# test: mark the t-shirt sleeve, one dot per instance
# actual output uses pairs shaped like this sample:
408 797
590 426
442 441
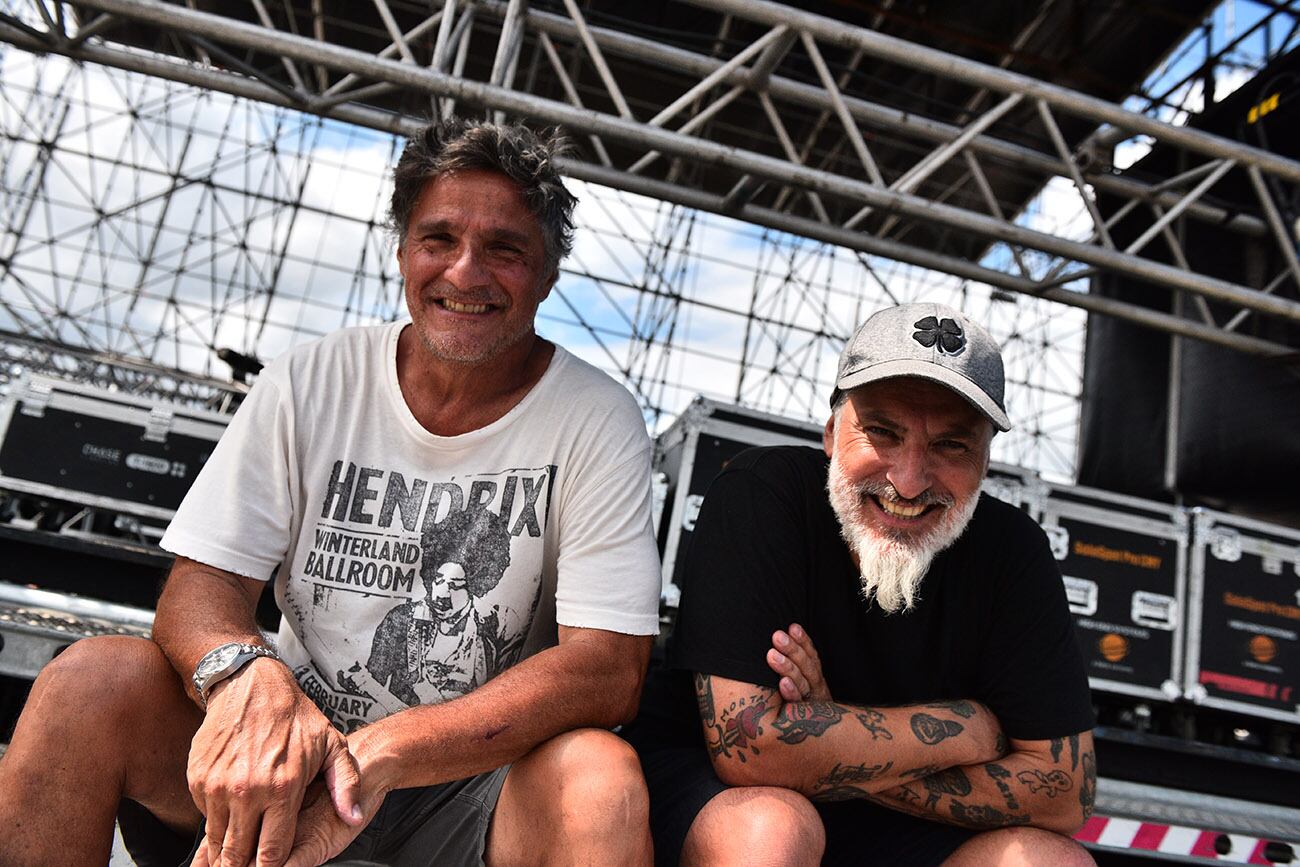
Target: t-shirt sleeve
238 513
745 576
1034 678
607 571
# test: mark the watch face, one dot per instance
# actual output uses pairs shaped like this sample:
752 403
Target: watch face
218 661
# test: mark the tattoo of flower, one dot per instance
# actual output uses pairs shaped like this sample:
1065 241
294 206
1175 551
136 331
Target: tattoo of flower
931 730
799 721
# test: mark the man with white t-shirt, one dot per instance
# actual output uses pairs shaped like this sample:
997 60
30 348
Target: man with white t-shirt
455 514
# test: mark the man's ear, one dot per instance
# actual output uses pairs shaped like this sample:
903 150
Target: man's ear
828 434
548 285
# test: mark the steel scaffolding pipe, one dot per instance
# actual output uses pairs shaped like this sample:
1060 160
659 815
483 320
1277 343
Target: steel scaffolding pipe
247 88
648 137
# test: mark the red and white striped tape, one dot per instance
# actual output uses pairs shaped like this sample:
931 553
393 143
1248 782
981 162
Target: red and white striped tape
1170 839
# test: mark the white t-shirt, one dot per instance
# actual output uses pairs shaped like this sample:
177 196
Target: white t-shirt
413 567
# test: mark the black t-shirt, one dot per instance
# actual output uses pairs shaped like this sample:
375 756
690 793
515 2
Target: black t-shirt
991 622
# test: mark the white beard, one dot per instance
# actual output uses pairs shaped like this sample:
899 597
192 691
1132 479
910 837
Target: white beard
892 564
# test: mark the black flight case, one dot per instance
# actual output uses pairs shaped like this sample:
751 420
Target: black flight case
101 448
1123 560
1244 617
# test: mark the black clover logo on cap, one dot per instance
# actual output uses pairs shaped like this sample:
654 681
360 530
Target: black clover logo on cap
947 333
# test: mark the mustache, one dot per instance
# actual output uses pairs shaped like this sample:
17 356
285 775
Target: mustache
886 491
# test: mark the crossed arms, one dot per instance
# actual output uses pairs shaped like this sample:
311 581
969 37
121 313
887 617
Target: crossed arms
947 761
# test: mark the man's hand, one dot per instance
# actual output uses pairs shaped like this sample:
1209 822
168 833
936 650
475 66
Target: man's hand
321 833
260 745
795 660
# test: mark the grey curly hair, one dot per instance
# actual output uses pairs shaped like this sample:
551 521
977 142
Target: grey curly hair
514 150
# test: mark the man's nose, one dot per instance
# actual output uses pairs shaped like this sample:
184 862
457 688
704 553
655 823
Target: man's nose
910 472
467 269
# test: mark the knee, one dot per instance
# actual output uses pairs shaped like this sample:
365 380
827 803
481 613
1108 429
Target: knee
105 673
1025 846
756 825
598 780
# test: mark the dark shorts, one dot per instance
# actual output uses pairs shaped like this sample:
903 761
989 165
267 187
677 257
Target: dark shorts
681 781
444 825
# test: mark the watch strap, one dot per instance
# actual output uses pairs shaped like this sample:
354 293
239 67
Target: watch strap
244 654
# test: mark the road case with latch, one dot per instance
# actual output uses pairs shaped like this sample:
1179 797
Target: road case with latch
101 448
1123 561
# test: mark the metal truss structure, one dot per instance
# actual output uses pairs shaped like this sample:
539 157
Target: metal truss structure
222 188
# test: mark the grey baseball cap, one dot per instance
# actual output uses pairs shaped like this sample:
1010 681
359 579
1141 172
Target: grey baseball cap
931 341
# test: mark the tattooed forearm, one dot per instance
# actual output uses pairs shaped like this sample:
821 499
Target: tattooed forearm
739 725
931 730
704 697
1049 784
1000 775
873 721
982 816
799 721
1088 785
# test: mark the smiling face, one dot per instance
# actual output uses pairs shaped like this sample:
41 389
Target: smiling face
473 262
907 458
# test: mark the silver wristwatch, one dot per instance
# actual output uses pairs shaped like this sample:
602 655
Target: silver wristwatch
221 662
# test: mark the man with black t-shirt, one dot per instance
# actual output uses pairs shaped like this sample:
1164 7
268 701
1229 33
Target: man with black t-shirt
943 712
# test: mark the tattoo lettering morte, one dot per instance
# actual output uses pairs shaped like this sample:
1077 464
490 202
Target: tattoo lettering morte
931 730
733 730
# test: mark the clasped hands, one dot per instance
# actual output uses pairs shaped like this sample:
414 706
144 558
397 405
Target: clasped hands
277 783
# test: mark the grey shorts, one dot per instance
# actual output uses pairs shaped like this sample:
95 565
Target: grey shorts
444 825
436 825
